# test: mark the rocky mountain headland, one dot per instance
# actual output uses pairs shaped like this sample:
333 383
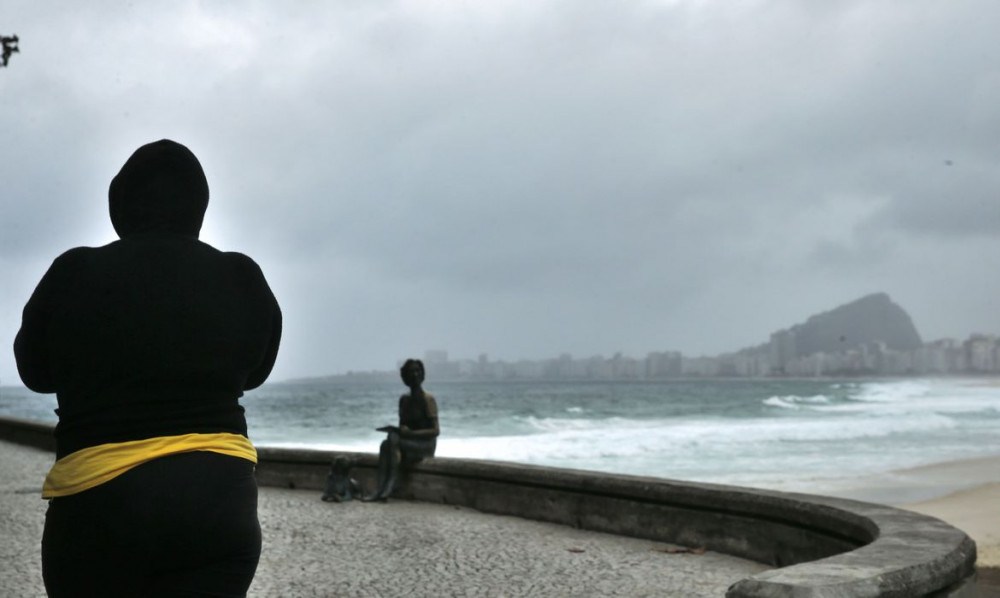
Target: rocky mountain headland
870 319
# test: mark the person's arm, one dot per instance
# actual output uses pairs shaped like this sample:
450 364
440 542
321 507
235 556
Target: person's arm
258 376
260 286
31 347
432 414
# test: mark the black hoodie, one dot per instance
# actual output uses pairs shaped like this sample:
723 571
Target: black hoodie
155 334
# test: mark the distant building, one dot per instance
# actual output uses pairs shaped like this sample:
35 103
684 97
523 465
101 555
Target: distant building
436 357
666 364
980 353
700 366
782 350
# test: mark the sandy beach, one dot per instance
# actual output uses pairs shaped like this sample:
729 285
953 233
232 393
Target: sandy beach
975 511
964 493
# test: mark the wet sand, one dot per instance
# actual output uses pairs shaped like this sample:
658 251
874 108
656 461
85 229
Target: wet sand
975 511
964 493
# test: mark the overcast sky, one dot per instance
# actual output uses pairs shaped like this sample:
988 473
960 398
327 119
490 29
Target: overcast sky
528 178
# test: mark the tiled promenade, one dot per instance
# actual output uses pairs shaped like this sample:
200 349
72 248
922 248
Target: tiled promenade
312 548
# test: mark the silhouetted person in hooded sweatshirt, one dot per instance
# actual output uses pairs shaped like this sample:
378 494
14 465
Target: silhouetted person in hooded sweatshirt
148 343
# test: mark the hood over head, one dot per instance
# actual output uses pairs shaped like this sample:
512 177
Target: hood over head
160 189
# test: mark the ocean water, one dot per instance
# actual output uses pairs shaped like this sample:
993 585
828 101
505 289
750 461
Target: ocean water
782 434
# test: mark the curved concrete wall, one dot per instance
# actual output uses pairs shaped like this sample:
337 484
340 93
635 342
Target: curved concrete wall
821 546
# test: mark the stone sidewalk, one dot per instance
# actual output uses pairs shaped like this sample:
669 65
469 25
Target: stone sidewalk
313 548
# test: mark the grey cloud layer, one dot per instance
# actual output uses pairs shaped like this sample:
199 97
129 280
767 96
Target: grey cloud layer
534 178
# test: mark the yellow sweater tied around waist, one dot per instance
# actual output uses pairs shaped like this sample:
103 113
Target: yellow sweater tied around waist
95 465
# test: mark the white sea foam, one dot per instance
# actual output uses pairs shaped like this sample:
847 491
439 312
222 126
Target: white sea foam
834 431
561 424
904 397
796 402
892 392
710 439
755 434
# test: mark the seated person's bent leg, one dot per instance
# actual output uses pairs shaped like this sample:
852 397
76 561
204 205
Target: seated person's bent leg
415 450
388 463
393 470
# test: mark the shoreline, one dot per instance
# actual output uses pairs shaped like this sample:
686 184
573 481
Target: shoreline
964 493
908 485
976 511
973 508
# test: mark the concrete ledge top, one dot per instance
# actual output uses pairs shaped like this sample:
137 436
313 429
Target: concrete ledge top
912 555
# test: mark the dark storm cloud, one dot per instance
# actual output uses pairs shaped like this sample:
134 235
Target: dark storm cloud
526 179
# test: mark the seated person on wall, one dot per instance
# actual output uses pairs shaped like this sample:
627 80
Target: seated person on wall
416 435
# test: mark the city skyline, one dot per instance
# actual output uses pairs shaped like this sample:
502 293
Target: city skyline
976 355
870 335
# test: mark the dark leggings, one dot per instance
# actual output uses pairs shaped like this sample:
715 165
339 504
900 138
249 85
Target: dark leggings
183 525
